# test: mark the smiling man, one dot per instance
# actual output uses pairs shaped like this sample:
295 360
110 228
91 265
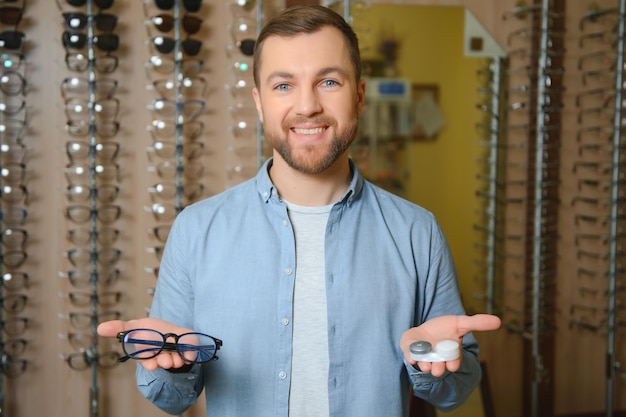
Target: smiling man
316 281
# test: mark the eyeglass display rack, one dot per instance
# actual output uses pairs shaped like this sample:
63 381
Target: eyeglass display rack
607 159
531 191
538 142
490 225
180 82
13 122
90 357
245 149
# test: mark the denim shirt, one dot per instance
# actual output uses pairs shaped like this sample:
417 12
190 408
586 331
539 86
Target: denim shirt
228 270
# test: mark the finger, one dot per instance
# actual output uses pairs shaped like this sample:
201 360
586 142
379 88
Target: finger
478 322
438 369
111 328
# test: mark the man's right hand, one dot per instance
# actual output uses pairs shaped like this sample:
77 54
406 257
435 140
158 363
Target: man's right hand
165 359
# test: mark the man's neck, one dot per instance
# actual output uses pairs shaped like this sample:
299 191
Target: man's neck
311 189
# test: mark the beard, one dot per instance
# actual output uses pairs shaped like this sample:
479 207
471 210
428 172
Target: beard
312 158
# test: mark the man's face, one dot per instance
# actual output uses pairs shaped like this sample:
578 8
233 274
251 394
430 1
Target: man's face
308 99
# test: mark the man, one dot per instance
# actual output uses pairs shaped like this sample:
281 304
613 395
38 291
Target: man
316 280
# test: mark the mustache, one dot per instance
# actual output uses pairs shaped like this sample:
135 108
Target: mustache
317 120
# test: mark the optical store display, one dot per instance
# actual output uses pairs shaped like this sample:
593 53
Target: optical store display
92 173
13 198
549 185
174 71
527 150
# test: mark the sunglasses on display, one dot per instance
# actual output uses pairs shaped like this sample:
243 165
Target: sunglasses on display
11 39
75 21
10 15
166 45
101 4
189 5
166 22
106 42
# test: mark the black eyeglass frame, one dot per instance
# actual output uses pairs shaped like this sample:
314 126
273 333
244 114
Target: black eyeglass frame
160 346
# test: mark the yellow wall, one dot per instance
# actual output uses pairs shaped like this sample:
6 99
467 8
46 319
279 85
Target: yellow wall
442 171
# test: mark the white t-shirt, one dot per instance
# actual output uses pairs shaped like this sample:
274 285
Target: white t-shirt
308 395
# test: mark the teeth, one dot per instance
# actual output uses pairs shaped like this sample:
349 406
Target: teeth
315 131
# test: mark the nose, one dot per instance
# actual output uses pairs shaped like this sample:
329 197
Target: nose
307 102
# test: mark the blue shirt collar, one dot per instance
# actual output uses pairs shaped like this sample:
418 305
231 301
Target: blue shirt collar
267 190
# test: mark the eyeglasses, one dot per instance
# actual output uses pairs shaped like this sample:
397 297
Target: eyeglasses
78 21
81 87
14 281
11 39
105 236
79 62
189 5
11 131
107 214
165 23
166 45
188 87
12 108
105 193
102 4
13 303
161 233
190 109
166 65
169 149
82 127
107 42
106 151
105 109
147 343
83 360
164 129
82 257
13 216
12 367
167 170
10 60
14 326
10 15
167 191
104 299
14 193
12 83
14 347
79 278
79 173
13 237
163 211
13 172
82 321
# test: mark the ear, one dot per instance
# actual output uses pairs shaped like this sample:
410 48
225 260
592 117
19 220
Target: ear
257 102
360 93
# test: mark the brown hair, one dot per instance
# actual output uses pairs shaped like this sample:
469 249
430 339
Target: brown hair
307 19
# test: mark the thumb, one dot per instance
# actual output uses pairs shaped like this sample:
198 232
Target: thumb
478 322
111 328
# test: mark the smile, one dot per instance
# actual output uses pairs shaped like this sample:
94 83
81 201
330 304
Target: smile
314 131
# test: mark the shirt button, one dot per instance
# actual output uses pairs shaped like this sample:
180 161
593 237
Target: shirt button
266 194
284 321
282 374
285 223
288 271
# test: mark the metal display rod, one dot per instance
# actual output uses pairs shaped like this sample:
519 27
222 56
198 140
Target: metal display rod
616 174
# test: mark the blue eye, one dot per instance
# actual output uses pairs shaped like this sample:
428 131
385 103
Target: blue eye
330 83
282 87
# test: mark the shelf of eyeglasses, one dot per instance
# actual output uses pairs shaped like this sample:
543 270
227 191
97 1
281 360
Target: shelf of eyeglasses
82 320
83 360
